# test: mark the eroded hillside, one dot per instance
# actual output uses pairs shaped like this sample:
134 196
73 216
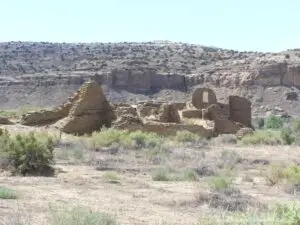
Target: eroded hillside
45 74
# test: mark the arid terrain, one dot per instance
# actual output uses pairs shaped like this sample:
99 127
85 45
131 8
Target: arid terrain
114 176
122 183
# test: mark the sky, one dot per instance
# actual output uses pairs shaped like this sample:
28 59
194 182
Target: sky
244 25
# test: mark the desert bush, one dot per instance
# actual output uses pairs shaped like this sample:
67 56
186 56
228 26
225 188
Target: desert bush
220 183
274 174
139 139
80 216
111 177
262 137
292 174
296 125
287 135
28 153
136 139
287 214
189 175
229 159
186 136
274 122
107 137
281 214
7 193
161 174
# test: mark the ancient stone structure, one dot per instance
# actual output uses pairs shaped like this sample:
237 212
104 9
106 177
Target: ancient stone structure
198 95
240 110
88 110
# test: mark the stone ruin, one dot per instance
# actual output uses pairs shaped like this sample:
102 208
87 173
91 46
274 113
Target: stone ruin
88 110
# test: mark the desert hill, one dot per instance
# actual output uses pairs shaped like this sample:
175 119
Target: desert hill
45 74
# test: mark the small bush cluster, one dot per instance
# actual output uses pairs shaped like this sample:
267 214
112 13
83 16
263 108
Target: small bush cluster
220 183
186 136
136 139
7 193
28 154
274 122
262 137
275 130
80 216
166 174
282 214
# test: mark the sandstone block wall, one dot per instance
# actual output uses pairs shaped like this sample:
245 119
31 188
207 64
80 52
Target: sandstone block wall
240 110
192 113
198 95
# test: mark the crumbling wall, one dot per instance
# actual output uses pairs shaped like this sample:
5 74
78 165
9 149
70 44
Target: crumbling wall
168 114
44 117
197 98
91 111
240 110
192 113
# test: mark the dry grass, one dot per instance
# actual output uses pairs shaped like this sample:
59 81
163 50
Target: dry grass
166 184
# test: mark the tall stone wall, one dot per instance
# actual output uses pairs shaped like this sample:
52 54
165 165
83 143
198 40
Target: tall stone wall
240 110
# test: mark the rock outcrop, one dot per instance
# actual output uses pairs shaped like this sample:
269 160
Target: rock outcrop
5 121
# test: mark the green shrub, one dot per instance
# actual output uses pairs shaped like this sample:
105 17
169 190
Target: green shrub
141 139
161 174
287 136
292 174
287 214
274 122
111 177
28 153
7 193
190 175
80 216
262 137
186 136
296 125
136 139
220 183
280 215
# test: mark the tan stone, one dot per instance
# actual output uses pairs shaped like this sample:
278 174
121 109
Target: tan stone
168 114
179 105
119 111
91 111
192 113
243 132
42 117
197 98
240 110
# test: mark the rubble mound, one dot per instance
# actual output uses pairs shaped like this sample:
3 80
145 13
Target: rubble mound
5 121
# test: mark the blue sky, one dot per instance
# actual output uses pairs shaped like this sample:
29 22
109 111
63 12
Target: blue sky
258 25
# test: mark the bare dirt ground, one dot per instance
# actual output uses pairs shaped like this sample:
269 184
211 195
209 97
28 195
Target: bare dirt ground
120 183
